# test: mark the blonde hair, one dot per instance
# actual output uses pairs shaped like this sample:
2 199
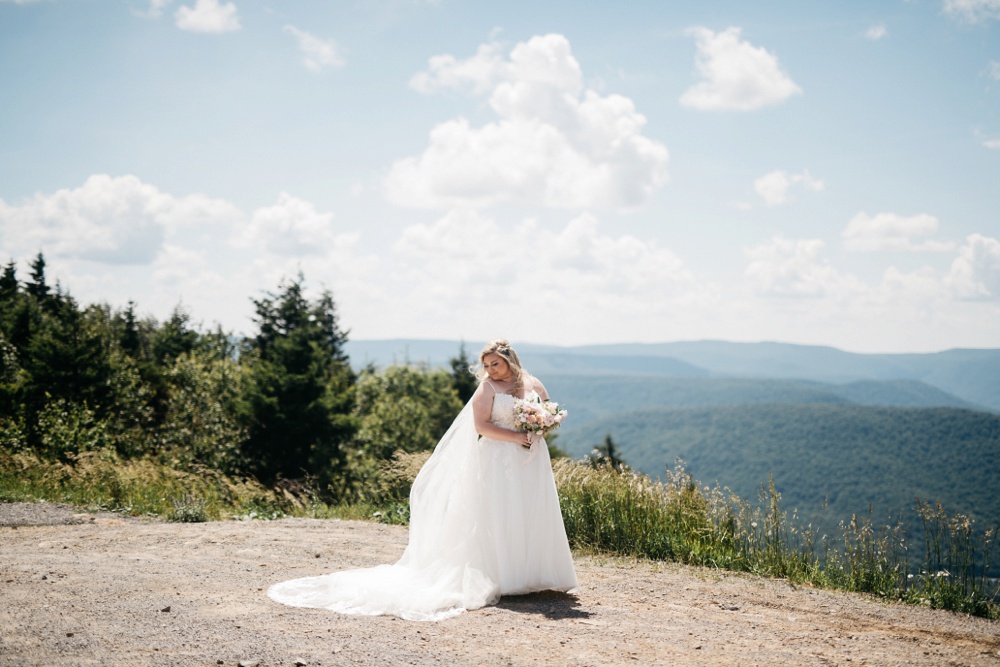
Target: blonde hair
501 347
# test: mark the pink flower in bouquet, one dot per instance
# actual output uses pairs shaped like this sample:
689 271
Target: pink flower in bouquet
538 416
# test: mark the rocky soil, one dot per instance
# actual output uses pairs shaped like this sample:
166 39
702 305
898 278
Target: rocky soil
79 589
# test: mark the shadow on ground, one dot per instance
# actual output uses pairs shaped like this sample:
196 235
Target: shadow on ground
550 604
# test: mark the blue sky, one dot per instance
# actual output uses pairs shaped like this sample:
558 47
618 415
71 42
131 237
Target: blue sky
567 173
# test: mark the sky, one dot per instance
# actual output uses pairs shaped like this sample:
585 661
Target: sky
563 172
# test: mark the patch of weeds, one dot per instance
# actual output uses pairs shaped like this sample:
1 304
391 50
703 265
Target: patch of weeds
188 509
261 510
261 514
396 514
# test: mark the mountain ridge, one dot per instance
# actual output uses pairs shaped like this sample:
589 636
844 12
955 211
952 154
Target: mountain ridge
972 375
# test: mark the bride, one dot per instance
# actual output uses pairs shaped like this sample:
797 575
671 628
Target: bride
484 517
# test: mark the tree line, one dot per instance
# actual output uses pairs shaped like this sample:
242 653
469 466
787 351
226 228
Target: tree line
281 404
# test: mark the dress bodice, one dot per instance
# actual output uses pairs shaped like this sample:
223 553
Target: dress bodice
503 409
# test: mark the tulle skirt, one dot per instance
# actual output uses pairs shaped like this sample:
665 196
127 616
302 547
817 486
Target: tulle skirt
521 509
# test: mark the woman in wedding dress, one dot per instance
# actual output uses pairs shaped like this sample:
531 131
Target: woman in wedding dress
484 517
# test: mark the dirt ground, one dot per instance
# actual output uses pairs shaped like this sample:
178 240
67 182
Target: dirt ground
103 590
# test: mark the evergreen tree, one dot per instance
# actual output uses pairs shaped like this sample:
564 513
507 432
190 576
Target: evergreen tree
607 454
299 399
129 340
37 286
8 284
67 357
14 323
175 337
464 381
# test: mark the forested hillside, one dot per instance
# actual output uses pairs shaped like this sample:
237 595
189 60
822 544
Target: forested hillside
846 456
972 375
599 396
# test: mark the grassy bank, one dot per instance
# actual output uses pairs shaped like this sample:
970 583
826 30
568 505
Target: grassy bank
677 520
605 510
101 480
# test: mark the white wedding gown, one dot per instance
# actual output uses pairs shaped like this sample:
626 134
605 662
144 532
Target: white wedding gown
484 522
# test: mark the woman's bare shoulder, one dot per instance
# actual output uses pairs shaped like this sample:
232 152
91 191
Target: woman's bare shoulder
484 392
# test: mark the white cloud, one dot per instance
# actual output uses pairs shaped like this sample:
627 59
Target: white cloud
554 144
111 220
773 187
208 16
737 76
156 8
481 72
973 11
876 32
317 52
471 275
992 143
293 227
794 268
176 265
469 267
994 70
975 273
922 286
890 231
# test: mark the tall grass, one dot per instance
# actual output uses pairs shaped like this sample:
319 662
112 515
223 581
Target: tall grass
623 512
102 480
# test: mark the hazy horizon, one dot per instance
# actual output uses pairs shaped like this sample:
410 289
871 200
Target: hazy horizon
471 349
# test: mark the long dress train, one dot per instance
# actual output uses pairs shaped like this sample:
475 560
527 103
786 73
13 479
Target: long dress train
484 522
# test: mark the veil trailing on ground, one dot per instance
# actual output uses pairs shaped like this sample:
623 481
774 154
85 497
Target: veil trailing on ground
448 566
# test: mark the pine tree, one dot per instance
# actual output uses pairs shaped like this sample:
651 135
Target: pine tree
8 284
37 287
462 378
175 337
607 454
299 401
129 339
66 358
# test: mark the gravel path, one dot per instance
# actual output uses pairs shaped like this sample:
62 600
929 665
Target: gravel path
103 590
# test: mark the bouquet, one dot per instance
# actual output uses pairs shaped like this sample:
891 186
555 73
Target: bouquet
537 416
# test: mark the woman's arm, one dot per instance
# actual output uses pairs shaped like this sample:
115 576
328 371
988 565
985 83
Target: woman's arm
539 388
482 408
